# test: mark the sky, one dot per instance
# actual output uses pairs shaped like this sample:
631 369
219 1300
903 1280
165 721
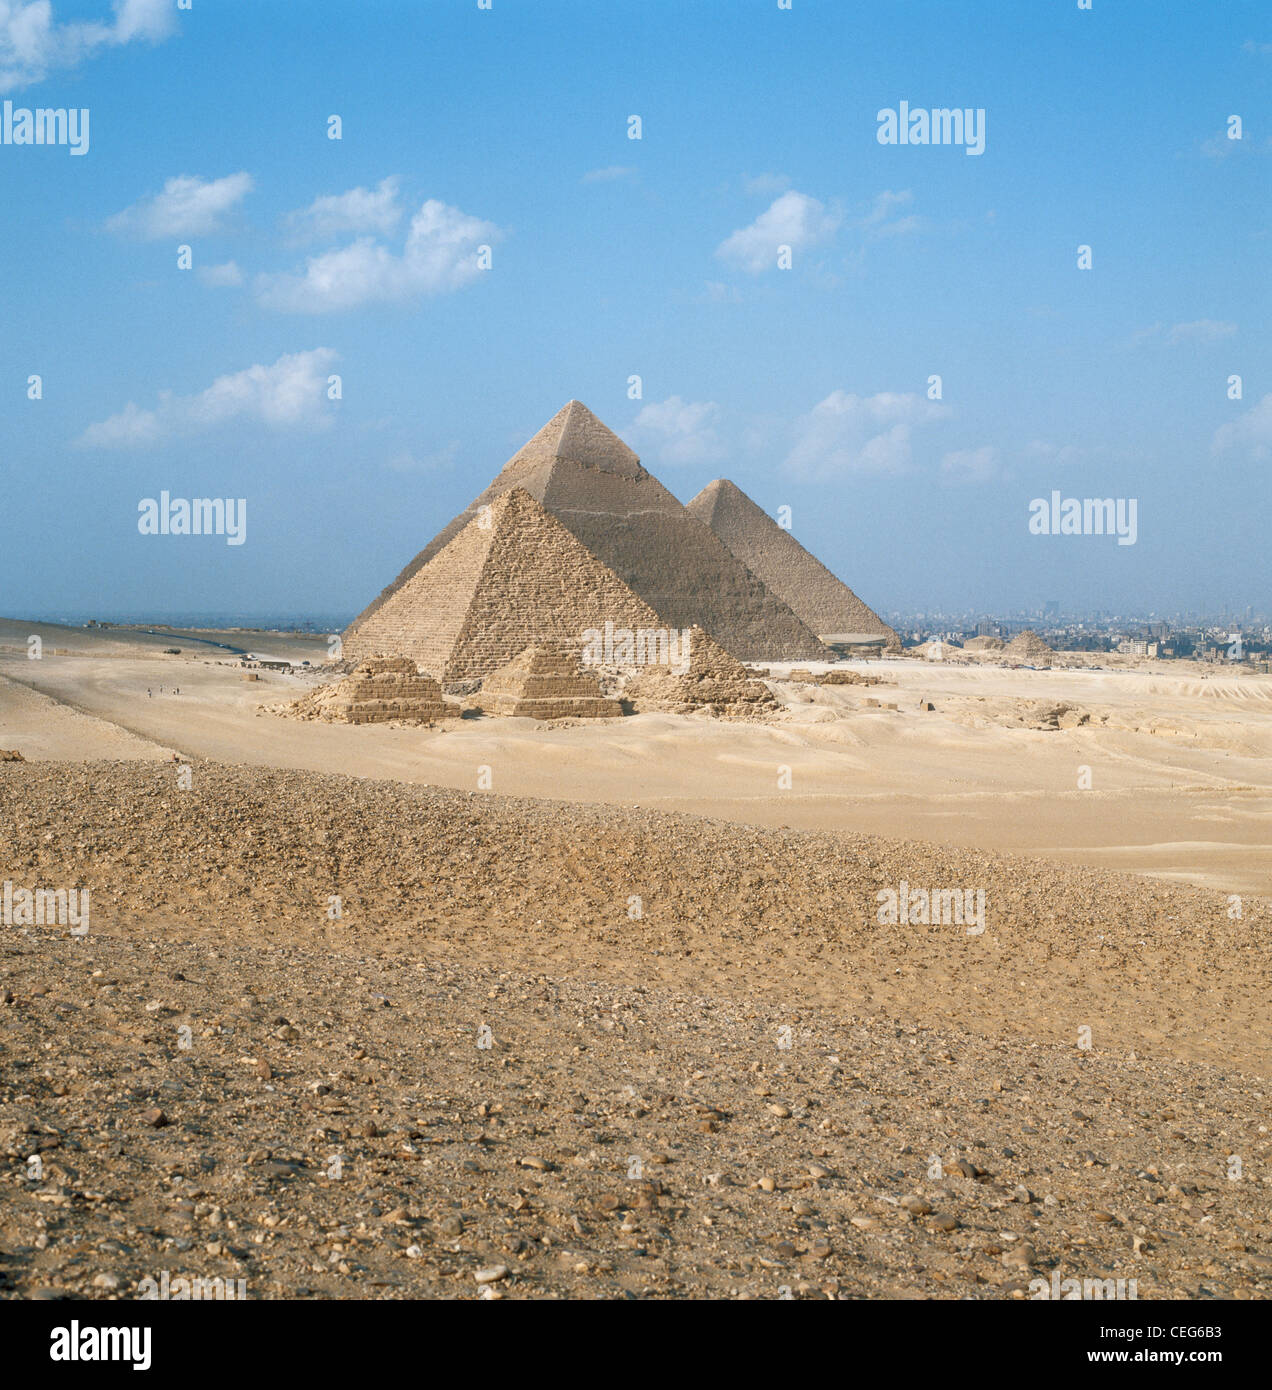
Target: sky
486 241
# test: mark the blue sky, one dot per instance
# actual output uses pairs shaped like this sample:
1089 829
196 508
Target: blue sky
612 257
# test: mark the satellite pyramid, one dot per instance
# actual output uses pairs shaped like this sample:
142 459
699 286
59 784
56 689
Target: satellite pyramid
546 683
826 604
714 680
379 690
1028 646
582 473
513 577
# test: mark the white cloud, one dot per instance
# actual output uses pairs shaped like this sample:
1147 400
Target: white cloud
1252 431
226 275
765 185
793 220
188 206
846 433
609 174
970 465
33 43
1200 331
883 217
291 393
440 255
359 210
679 431
1197 331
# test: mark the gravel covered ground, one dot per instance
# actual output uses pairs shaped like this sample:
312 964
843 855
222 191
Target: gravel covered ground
574 1051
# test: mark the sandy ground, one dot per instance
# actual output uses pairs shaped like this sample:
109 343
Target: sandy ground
487 1074
1177 758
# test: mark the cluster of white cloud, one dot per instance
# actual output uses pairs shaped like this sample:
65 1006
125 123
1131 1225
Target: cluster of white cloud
1252 431
187 206
289 393
33 43
677 431
851 434
793 219
372 210
440 254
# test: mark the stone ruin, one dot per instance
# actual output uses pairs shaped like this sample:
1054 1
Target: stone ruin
544 682
714 681
1028 646
380 689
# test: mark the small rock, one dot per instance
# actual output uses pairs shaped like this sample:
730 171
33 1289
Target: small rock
492 1274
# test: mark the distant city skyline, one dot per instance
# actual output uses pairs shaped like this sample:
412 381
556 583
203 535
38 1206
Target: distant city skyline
897 341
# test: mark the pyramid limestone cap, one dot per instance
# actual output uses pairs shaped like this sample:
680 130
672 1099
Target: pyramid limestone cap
575 434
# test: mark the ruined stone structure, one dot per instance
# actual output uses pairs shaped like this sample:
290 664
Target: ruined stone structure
714 681
1028 647
379 690
987 643
545 683
587 478
514 577
826 604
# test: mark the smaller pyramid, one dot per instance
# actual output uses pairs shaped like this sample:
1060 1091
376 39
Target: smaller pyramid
1028 646
987 643
825 603
714 680
379 690
545 683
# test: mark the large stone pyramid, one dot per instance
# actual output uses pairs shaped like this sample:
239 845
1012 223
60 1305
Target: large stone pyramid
513 577
546 683
826 604
595 485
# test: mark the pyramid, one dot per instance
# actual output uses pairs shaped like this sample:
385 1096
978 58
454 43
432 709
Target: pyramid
1028 646
714 679
378 690
826 604
987 643
545 683
595 485
513 577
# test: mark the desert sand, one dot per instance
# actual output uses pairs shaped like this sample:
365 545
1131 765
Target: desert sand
627 1022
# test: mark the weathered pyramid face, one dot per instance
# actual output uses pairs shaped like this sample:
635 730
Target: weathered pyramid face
513 578
826 604
595 486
